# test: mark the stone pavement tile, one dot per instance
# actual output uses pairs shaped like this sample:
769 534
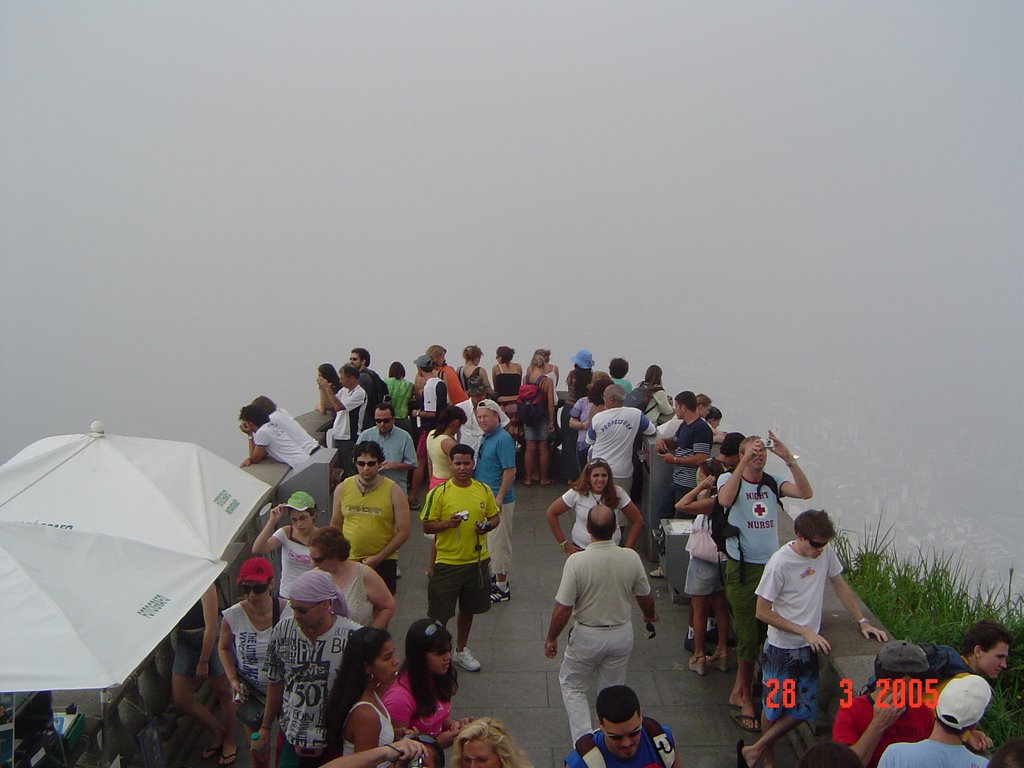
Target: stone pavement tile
725 756
479 693
689 689
522 655
535 727
499 624
541 757
706 725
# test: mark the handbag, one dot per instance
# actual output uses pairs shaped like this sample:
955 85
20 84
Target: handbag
700 544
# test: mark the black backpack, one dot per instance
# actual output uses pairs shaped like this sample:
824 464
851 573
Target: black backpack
376 393
722 530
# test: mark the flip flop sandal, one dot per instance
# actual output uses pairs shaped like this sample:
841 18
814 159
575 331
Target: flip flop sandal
746 722
228 759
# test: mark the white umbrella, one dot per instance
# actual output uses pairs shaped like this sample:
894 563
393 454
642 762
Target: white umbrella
105 542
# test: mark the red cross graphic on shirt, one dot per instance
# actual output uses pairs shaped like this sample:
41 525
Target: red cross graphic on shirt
760 509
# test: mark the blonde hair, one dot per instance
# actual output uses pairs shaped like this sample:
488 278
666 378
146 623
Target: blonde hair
494 734
748 441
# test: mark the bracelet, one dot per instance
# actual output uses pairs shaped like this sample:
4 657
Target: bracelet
562 543
397 750
204 658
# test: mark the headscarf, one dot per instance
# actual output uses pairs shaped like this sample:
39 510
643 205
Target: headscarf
316 587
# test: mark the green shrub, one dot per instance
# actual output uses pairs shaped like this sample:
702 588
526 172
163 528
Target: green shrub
929 598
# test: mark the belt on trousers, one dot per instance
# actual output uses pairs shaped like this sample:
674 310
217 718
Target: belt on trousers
602 626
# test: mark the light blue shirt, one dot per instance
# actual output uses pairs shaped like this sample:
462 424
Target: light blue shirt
497 453
930 754
397 447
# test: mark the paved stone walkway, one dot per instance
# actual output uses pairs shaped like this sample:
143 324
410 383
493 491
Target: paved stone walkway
519 685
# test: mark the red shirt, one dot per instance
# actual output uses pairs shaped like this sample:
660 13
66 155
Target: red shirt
914 725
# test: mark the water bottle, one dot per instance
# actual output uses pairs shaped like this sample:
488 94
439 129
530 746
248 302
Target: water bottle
256 759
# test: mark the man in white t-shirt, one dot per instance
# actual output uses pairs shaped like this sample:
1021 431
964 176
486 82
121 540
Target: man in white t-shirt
790 596
267 440
613 432
348 405
279 417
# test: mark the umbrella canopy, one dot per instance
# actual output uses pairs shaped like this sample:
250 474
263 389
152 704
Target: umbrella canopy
105 542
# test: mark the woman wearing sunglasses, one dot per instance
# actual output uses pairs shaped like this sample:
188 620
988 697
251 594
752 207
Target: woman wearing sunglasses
594 486
368 598
246 627
421 698
356 718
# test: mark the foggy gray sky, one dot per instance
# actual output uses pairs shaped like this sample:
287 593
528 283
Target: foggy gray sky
811 211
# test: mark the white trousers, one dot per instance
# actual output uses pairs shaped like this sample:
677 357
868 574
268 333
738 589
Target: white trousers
499 541
592 654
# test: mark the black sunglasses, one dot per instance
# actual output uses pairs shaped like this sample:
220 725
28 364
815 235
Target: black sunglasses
256 589
620 736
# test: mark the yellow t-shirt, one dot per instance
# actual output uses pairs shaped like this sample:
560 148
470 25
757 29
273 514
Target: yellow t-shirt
369 519
458 546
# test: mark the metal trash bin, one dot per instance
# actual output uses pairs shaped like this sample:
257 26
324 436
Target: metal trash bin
657 482
675 560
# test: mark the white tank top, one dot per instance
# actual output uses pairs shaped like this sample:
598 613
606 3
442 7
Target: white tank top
387 730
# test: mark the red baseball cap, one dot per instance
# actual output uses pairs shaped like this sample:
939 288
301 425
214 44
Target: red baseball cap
256 570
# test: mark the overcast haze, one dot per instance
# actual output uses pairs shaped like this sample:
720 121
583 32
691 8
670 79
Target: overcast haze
810 211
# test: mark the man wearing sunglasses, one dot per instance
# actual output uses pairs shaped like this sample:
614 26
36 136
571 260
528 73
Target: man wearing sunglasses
399 450
626 739
789 600
372 512
302 662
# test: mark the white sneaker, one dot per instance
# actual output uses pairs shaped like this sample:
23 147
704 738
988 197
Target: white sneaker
466 660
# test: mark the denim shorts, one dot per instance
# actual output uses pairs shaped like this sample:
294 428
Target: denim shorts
187 650
536 430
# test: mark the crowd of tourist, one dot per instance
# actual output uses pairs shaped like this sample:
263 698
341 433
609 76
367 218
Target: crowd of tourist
319 659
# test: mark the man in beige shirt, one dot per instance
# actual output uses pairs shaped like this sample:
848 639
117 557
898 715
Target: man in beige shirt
597 590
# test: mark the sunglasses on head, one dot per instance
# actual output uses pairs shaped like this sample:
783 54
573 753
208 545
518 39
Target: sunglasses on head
256 589
431 629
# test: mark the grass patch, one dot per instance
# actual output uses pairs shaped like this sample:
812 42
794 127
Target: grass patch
929 598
